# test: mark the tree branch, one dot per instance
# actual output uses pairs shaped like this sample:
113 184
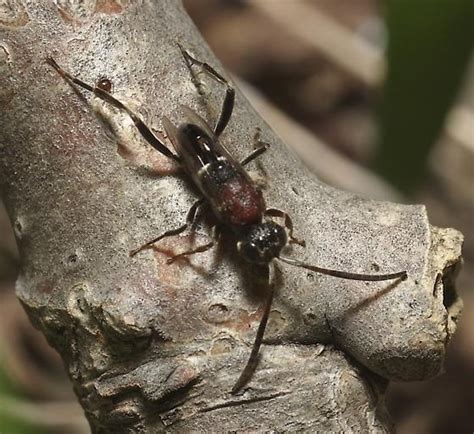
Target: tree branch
150 346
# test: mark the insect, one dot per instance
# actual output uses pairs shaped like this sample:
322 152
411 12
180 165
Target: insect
226 188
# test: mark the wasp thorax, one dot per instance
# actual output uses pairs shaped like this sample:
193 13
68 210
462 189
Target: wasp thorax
262 242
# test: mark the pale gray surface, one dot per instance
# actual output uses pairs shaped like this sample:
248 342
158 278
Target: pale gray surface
152 346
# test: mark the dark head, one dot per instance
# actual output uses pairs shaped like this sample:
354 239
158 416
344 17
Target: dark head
262 242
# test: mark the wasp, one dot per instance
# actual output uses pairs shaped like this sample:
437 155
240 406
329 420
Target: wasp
226 187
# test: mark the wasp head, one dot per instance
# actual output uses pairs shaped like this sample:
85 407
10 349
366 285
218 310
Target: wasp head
262 242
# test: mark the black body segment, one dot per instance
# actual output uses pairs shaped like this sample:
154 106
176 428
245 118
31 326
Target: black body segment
234 197
198 145
263 243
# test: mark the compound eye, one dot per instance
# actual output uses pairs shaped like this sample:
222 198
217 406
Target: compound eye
275 235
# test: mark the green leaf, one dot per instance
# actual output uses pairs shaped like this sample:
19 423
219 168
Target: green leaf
12 424
430 44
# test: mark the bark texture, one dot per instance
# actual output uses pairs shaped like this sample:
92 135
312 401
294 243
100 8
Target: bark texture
151 347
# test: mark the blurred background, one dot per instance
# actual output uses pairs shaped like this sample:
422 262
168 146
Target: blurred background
377 97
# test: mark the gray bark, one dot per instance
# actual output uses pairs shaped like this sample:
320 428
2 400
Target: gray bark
151 347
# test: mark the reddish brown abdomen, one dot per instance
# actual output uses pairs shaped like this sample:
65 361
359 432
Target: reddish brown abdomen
240 202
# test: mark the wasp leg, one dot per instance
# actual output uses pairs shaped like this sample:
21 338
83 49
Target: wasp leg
273 212
200 249
190 220
228 104
253 358
107 97
256 153
259 148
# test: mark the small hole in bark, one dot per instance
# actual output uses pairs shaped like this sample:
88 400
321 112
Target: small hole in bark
72 259
18 227
310 277
81 305
218 313
375 267
222 346
449 289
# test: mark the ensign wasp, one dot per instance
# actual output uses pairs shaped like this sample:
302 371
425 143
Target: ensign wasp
227 188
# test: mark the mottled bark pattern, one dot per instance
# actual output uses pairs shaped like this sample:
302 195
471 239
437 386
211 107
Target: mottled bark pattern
151 347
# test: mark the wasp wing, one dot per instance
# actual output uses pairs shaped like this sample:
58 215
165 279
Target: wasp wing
171 133
196 119
220 178
196 144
